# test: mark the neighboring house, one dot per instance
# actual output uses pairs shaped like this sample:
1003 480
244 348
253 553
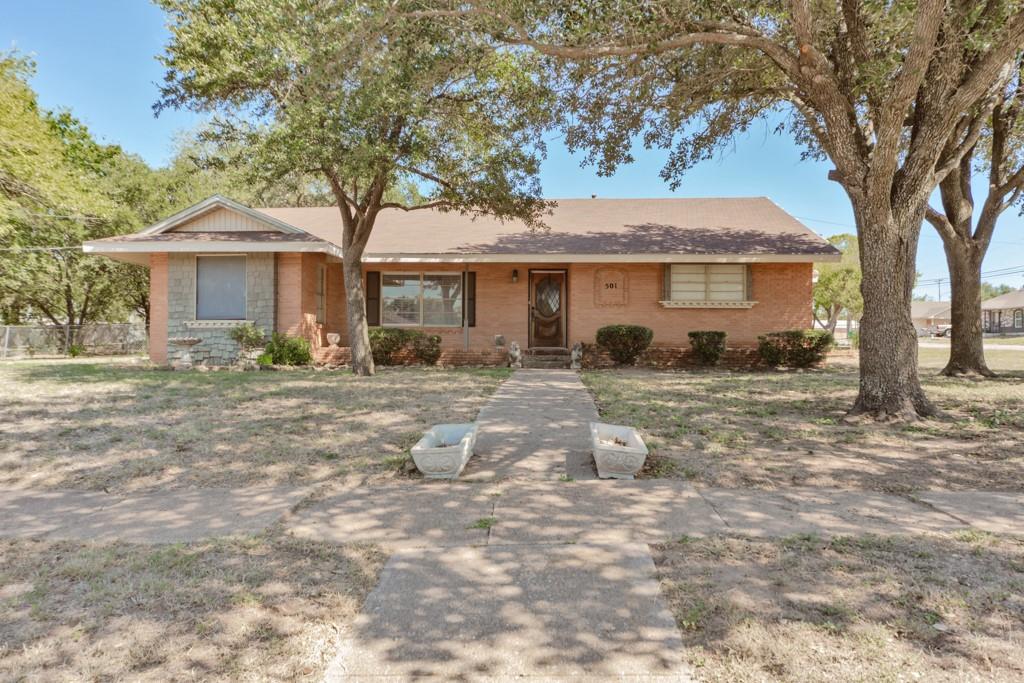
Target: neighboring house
1004 314
931 315
675 265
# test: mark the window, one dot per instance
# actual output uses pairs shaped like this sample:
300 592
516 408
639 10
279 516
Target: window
706 282
321 294
1018 318
220 287
421 299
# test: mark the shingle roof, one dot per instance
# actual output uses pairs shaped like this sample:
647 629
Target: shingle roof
1003 301
929 309
212 236
747 225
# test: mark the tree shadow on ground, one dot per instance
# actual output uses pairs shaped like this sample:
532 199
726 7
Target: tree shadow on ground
864 608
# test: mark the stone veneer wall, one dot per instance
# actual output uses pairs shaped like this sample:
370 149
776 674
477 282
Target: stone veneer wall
216 348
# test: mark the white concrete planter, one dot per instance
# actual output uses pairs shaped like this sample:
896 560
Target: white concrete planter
444 450
618 451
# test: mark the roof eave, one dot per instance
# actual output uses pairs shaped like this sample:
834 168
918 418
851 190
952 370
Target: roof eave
377 257
120 250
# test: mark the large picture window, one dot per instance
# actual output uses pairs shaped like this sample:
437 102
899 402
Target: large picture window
713 282
421 299
220 287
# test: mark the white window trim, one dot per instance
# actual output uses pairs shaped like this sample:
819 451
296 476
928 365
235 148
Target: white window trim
214 322
421 275
706 302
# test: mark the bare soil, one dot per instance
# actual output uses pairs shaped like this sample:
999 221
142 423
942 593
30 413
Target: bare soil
775 429
263 608
930 608
120 427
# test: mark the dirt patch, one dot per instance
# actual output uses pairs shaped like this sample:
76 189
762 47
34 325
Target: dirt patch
264 608
771 430
866 609
104 426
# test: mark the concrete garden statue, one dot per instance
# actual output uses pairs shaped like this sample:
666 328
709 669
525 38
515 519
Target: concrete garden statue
576 356
619 451
515 355
444 450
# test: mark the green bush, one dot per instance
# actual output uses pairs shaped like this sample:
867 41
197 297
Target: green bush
427 348
264 359
708 345
76 350
624 343
795 348
247 336
285 350
385 342
854 337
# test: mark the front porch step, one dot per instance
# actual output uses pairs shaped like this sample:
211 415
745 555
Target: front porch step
555 358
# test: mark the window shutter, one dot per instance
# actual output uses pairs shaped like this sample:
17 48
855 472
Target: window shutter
470 299
373 298
666 283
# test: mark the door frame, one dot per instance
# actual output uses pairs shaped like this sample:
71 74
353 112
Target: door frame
565 305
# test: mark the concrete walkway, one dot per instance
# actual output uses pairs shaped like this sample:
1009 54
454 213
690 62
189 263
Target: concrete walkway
162 517
535 427
544 612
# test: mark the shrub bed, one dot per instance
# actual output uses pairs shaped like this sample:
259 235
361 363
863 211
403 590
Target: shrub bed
625 343
708 345
387 342
285 350
794 348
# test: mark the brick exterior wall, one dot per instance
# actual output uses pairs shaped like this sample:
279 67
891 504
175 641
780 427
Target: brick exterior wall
782 290
158 308
216 348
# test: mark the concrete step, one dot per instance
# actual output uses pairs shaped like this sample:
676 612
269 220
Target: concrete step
546 362
547 351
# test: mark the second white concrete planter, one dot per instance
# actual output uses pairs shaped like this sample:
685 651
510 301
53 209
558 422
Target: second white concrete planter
619 451
444 450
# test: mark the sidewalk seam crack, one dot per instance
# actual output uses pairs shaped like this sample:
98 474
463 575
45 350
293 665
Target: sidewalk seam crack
713 508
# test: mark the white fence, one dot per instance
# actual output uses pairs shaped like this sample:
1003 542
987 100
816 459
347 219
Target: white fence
31 341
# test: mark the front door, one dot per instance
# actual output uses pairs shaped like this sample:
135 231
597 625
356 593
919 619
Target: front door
547 308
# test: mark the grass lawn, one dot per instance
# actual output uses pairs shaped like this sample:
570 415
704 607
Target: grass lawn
262 608
778 429
929 608
117 426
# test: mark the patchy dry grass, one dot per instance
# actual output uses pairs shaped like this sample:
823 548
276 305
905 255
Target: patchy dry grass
114 426
850 609
777 429
263 608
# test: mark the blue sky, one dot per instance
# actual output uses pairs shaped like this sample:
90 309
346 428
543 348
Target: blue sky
97 59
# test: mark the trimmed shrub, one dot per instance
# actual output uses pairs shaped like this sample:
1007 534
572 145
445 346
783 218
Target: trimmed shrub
427 348
264 359
795 348
285 350
708 345
385 342
624 343
247 336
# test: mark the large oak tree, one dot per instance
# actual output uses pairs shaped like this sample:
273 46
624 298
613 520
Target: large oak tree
369 100
877 87
999 154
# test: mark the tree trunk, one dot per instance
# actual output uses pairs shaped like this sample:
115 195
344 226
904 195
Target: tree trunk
889 384
358 330
966 352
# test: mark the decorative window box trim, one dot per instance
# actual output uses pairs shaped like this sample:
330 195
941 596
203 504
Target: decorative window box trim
217 323
707 304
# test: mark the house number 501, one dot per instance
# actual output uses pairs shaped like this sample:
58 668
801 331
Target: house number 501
611 285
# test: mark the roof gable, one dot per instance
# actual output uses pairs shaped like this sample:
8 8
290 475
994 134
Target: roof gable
220 214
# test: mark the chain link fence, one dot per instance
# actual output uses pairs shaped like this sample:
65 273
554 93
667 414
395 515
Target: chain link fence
42 341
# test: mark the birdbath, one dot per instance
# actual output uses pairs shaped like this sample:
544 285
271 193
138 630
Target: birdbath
184 361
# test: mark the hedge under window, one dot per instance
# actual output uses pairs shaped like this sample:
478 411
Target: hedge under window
220 287
707 282
421 299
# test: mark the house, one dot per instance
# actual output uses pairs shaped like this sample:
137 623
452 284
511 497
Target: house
932 316
1004 314
741 265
